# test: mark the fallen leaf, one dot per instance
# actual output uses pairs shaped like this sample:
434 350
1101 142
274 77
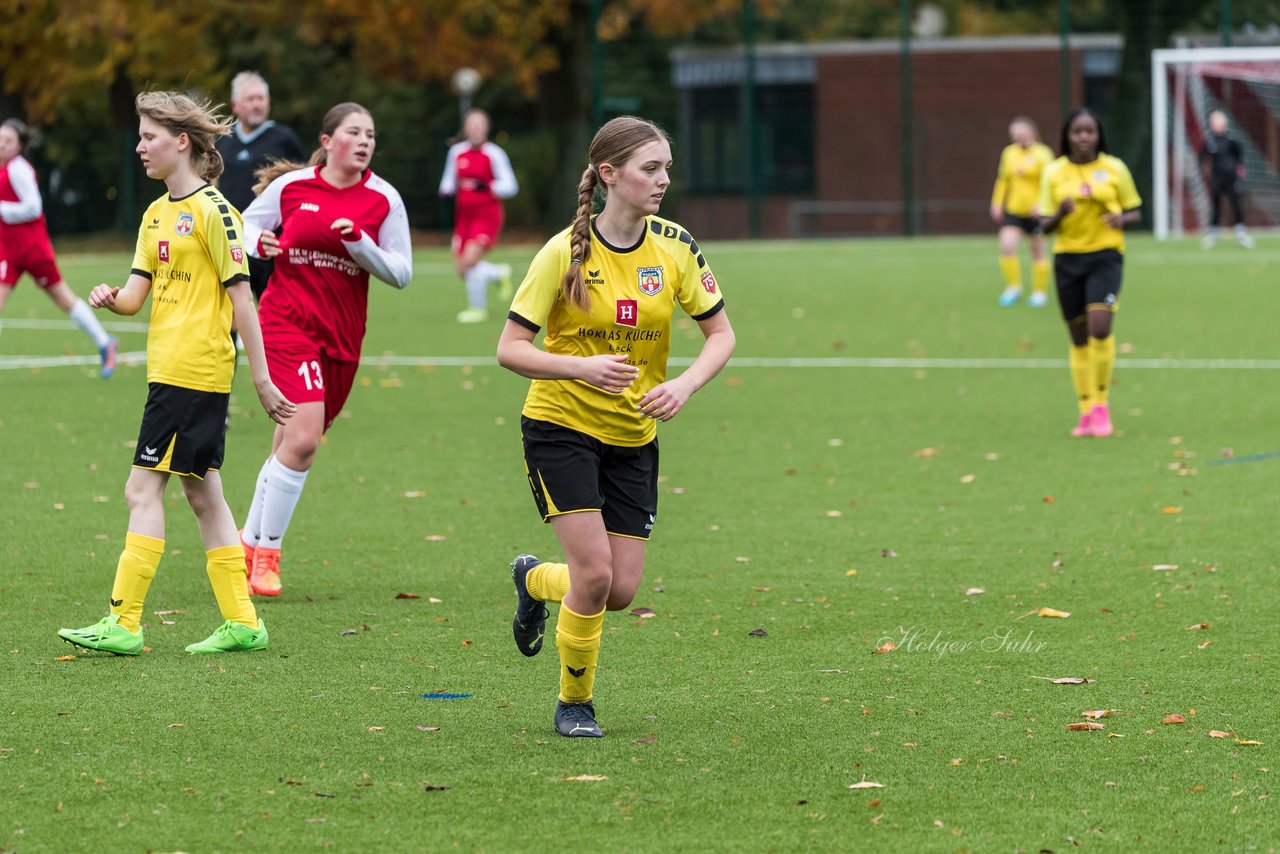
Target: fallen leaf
759 633
1174 719
1227 452
742 559
873 804
323 795
435 538
376 728
762 589
177 726
408 596
588 778
1247 741
1086 725
957 761
466 642
650 740
887 646
431 788
848 573
1165 567
835 443
65 658
1192 628
643 613
834 513
888 553
968 478
433 600
1096 713
975 591
416 493
1171 511
1217 733
428 728
991 457
1049 499
926 452
1115 735
170 613
347 632
866 784
1065 680
1053 612
1203 645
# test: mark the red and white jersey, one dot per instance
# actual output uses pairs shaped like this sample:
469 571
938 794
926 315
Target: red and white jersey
321 279
478 176
21 208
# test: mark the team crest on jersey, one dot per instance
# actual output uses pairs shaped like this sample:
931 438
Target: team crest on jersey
708 282
628 312
650 280
162 251
186 224
237 254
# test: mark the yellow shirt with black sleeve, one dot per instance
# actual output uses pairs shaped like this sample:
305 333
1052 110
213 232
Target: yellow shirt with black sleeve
1017 188
1100 187
634 292
191 250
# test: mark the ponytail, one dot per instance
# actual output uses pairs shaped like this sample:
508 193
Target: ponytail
573 288
332 120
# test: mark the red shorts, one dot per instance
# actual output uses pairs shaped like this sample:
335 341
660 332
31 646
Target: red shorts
476 225
34 258
305 374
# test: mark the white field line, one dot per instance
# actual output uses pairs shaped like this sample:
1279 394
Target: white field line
11 363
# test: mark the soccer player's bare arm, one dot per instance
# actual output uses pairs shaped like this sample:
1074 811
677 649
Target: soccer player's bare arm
518 353
664 401
245 317
127 300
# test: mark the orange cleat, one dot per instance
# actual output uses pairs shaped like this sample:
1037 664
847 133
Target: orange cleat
248 554
264 580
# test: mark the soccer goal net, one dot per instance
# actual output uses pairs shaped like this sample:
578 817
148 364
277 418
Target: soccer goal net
1188 84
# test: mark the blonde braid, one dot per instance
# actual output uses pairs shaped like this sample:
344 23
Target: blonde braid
572 287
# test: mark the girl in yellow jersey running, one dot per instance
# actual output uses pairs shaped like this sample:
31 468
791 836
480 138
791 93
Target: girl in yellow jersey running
1088 198
605 289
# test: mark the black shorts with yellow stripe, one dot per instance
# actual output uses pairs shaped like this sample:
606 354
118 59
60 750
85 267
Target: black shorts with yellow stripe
1027 224
183 430
572 472
1088 281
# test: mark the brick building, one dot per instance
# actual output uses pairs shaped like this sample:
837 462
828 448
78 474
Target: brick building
829 130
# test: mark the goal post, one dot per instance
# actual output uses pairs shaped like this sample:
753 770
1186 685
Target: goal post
1186 85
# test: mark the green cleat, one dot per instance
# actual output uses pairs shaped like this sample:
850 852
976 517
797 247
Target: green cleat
232 637
106 635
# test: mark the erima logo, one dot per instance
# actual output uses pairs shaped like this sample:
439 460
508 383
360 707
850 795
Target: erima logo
593 278
575 673
115 603
149 455
649 527
309 206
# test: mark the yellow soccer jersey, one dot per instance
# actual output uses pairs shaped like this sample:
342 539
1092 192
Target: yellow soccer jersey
1101 187
191 250
634 292
1017 187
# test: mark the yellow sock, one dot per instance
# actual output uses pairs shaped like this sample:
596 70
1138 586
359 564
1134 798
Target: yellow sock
1011 269
1102 355
1082 375
548 582
230 587
1040 276
134 571
578 639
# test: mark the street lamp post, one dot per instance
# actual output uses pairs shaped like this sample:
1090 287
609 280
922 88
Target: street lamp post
465 83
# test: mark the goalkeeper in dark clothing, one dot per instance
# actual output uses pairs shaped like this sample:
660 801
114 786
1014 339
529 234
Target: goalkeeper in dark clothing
1223 160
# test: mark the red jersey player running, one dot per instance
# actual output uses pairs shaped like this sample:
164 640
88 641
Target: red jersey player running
340 223
24 241
478 174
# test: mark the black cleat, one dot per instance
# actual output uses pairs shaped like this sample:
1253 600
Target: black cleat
530 622
577 720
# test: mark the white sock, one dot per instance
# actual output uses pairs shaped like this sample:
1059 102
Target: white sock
253 522
283 489
88 322
491 272
477 282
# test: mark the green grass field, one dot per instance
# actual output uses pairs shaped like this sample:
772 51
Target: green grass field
834 505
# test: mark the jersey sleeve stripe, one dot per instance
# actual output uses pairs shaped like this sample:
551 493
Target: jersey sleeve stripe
715 309
146 274
527 324
236 279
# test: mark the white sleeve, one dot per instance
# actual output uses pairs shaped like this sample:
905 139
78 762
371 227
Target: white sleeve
504 184
449 180
263 214
29 205
390 257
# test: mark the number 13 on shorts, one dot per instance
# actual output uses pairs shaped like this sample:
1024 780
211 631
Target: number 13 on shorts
310 373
